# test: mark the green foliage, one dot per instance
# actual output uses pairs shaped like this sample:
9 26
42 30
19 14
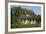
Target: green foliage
38 19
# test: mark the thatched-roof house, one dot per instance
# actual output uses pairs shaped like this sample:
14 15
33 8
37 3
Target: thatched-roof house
28 18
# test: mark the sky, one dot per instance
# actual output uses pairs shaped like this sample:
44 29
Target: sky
36 9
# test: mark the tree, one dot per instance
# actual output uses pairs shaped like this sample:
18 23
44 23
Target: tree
38 19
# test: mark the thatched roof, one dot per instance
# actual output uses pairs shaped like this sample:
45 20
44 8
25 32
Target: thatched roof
31 15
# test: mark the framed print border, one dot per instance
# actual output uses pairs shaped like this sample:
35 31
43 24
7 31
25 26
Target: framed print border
6 16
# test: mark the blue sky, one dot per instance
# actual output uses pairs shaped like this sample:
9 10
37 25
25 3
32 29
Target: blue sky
36 9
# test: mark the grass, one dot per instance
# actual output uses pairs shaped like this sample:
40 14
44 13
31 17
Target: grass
28 25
